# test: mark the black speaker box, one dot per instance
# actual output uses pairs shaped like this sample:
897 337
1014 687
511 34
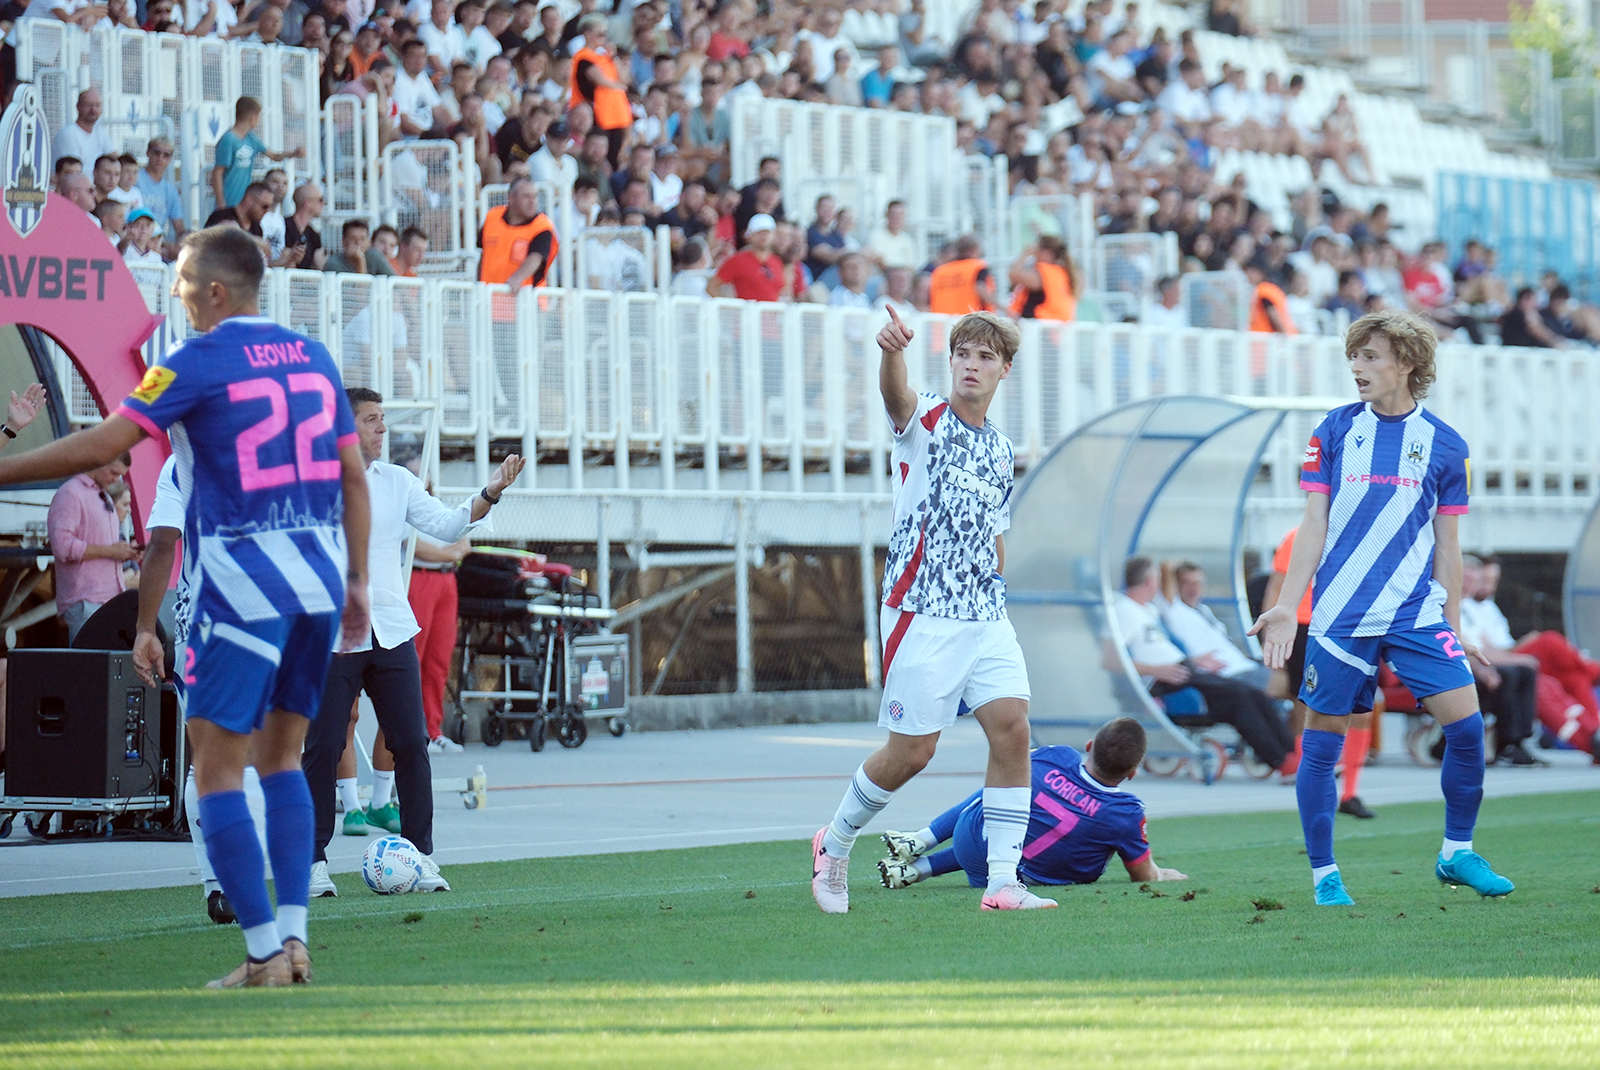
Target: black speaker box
80 724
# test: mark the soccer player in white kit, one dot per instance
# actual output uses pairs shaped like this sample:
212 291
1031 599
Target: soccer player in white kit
947 642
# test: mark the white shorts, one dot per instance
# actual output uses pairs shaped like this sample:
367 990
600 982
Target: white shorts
933 666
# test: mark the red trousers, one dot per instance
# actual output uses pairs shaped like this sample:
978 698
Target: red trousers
433 600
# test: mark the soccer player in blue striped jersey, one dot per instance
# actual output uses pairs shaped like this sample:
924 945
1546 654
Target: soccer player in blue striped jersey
277 516
1387 485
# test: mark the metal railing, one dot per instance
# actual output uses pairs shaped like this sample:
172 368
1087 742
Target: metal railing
888 155
648 391
193 82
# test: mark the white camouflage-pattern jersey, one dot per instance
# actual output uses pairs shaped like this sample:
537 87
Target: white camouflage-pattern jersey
952 497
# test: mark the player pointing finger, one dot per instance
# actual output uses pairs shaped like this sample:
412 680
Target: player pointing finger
895 336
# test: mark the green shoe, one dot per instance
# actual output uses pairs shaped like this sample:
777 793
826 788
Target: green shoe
355 824
386 818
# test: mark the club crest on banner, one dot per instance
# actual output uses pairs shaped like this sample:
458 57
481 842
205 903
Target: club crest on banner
24 160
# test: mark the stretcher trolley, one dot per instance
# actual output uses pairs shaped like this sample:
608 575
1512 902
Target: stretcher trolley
531 650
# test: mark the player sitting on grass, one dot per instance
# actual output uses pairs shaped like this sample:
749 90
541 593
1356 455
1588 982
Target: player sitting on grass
1081 816
946 636
1388 483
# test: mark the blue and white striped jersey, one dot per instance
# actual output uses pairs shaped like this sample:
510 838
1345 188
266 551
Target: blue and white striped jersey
1385 477
256 415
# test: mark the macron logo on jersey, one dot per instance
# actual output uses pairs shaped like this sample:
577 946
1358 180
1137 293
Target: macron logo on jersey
1313 458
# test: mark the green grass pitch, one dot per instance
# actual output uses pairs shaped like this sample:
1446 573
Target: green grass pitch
717 957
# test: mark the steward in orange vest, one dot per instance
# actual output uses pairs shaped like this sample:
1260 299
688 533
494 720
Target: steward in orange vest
595 82
518 241
964 284
1269 306
1045 289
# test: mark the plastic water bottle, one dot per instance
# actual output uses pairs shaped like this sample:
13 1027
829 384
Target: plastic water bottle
476 797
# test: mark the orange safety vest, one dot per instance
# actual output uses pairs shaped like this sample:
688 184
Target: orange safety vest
953 288
505 247
611 108
1272 295
1055 302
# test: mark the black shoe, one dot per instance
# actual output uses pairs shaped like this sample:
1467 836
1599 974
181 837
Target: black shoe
1356 808
220 910
1516 755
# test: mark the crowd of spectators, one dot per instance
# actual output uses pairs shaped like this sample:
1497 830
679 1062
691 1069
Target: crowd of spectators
631 108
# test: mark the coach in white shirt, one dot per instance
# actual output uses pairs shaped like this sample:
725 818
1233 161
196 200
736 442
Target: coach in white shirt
386 667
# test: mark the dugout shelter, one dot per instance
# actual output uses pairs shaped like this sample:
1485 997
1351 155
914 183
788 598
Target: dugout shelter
1167 478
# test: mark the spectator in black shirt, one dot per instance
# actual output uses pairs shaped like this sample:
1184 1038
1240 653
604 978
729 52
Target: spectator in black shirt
767 200
1522 325
521 135
1350 297
297 229
516 35
692 214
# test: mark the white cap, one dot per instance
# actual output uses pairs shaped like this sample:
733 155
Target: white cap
760 221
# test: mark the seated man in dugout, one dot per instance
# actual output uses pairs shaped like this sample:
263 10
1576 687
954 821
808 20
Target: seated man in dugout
1164 667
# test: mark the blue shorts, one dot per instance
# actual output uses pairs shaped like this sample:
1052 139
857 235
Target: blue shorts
235 673
1342 671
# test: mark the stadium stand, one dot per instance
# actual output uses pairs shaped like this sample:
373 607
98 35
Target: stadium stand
1005 122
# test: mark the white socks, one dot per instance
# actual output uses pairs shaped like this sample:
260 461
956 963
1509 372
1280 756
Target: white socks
926 839
292 922
1448 851
262 941
923 867
861 803
1318 872
382 787
348 795
1005 823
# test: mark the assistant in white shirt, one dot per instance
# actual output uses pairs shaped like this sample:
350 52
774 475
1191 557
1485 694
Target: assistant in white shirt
399 501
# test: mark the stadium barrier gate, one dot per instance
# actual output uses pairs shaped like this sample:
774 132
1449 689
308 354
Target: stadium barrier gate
744 397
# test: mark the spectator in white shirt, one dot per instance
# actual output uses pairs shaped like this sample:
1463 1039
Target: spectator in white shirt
83 138
474 42
443 44
827 43
1112 73
1167 312
897 290
891 245
141 240
852 289
1186 101
418 103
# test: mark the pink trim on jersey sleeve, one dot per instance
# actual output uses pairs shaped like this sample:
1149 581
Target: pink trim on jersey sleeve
143 421
1317 488
1142 858
1452 510
348 440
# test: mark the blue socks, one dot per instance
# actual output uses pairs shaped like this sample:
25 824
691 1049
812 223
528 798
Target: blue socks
1317 792
1461 776
235 855
290 821
944 826
941 863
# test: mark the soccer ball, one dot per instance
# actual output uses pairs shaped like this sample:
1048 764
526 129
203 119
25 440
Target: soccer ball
392 865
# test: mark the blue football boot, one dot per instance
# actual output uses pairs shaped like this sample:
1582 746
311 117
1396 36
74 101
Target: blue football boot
1331 893
1469 869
